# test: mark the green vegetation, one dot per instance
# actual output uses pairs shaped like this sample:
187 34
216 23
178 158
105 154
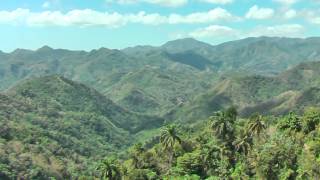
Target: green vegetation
228 147
185 67
54 127
186 110
292 90
56 93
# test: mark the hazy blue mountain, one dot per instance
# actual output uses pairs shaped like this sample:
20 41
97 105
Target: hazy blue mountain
187 44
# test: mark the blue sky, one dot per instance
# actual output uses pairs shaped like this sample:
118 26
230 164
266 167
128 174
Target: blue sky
91 24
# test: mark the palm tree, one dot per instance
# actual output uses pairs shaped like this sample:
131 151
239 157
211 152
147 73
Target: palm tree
222 125
169 137
232 113
109 169
243 144
291 122
213 156
136 152
256 125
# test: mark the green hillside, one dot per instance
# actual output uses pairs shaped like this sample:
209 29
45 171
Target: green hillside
188 64
58 93
54 127
38 144
294 89
164 89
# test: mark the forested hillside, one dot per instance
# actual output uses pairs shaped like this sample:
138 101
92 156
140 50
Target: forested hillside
186 67
247 109
54 127
227 147
292 90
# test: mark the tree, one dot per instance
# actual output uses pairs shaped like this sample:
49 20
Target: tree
256 125
240 172
310 119
232 113
136 153
216 159
109 169
5 130
169 137
191 163
222 126
291 122
276 158
243 144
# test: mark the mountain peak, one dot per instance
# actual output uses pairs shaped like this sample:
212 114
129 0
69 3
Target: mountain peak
101 50
20 51
45 48
184 40
104 49
185 44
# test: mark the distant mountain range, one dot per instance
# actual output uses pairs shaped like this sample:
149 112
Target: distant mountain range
159 78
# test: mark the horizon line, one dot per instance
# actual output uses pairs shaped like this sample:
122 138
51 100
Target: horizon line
154 46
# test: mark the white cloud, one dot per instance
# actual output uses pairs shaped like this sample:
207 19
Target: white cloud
213 15
218 1
51 4
122 1
259 13
46 4
286 30
213 31
168 3
14 17
81 18
287 2
224 32
311 16
289 14
88 17
314 19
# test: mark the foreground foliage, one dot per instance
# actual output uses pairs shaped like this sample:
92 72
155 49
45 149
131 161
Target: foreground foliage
227 147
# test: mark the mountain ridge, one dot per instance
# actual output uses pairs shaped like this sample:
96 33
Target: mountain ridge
293 89
194 66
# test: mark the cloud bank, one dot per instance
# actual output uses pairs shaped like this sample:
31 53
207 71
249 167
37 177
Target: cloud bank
88 17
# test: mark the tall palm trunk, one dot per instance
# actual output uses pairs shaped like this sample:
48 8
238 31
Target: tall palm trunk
170 157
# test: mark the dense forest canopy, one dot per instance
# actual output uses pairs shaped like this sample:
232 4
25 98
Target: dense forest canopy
227 147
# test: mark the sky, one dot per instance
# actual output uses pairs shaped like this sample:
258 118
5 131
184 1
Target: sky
91 24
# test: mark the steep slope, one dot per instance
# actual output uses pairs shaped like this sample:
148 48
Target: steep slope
43 143
160 89
188 61
265 55
262 55
294 89
62 94
38 144
296 101
57 126
103 69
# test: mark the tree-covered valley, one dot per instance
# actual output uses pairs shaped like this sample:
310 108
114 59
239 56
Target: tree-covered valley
246 109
